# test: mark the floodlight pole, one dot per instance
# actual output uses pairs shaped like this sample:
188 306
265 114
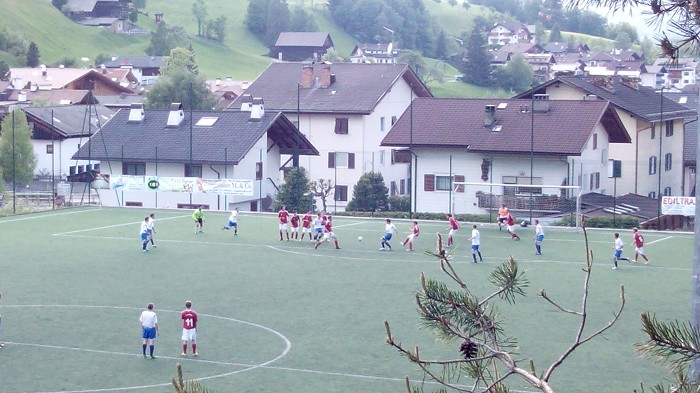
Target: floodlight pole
658 161
410 152
14 168
532 146
694 373
295 163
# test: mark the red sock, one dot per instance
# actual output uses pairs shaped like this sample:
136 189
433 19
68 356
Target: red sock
194 348
184 348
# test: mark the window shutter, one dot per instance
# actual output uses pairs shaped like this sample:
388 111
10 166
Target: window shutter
331 159
351 160
428 182
459 178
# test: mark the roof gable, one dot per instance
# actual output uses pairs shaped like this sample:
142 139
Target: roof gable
624 93
227 140
70 120
303 38
460 123
356 88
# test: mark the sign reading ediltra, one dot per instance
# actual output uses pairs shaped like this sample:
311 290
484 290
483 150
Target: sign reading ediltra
682 206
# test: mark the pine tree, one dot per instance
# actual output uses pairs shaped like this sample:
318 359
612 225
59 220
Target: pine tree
33 55
17 158
476 67
369 194
295 193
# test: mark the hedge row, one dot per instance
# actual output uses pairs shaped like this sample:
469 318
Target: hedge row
625 222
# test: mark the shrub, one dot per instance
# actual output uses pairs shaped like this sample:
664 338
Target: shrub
623 222
399 203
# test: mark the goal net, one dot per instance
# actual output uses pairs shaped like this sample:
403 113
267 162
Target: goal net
526 202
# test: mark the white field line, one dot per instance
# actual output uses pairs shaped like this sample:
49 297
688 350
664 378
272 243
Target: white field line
113 226
660 240
37 217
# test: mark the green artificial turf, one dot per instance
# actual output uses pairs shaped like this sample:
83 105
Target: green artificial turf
278 316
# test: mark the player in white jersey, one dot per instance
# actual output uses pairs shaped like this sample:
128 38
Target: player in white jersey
476 241
149 328
389 231
144 234
233 222
618 246
151 228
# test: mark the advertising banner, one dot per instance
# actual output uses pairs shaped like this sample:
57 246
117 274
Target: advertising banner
126 183
682 206
198 185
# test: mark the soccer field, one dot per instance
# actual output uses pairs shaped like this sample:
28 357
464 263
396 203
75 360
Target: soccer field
283 317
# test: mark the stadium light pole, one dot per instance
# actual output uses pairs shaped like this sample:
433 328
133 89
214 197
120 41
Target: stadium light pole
532 144
658 161
14 168
410 151
295 163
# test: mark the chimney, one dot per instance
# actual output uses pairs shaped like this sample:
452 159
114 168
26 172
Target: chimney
246 103
540 103
258 110
590 97
218 81
325 78
43 70
307 76
103 68
490 118
136 113
176 115
22 96
229 79
33 87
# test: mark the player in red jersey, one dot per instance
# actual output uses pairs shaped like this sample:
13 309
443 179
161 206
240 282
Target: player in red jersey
328 233
283 216
638 241
295 225
189 329
454 226
510 226
411 236
306 225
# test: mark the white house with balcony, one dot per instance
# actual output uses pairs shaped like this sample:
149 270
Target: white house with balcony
344 110
508 142
653 161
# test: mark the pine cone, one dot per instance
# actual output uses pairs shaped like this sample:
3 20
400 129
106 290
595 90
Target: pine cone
468 349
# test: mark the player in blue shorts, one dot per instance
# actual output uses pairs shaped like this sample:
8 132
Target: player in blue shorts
144 234
539 237
617 256
389 231
233 222
149 328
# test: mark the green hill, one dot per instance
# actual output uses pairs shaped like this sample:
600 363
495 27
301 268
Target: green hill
242 56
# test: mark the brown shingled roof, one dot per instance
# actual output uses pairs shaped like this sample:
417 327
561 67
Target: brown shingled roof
449 122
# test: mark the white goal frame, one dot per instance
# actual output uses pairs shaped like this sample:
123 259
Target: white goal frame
481 185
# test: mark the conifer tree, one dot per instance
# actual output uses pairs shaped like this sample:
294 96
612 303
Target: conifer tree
17 159
33 55
477 63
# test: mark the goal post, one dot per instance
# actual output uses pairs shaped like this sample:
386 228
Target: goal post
547 203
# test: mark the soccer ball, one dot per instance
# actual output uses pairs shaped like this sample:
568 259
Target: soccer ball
359 238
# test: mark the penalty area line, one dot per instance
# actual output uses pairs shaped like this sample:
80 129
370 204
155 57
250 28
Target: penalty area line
660 240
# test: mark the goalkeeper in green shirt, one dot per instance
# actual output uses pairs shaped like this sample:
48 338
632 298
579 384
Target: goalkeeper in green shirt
198 217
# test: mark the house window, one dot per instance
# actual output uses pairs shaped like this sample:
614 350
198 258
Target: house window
400 157
341 125
393 120
134 168
667 191
96 167
49 149
669 128
668 161
604 156
341 160
595 181
382 124
523 185
381 157
652 194
595 142
443 183
653 131
71 170
341 193
402 186
652 165
192 170
258 171
394 189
